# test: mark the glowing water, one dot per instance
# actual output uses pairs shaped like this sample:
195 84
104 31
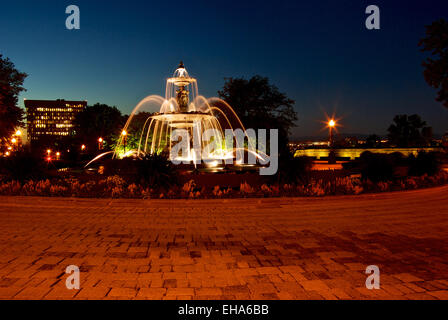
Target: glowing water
182 108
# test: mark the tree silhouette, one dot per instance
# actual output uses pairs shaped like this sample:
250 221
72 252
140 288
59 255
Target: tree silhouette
436 68
260 105
98 121
11 84
406 131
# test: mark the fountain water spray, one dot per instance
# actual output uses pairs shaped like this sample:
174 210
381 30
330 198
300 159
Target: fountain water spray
192 129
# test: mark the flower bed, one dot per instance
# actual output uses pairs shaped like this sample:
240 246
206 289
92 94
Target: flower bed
117 187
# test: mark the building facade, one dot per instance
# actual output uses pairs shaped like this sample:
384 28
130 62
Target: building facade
50 122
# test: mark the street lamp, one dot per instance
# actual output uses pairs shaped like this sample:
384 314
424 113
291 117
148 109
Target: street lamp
83 147
100 143
331 125
58 155
18 138
124 134
332 154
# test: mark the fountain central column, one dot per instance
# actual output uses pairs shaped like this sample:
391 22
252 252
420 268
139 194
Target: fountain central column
182 98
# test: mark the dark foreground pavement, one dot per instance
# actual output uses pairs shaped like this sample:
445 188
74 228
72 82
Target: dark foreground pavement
298 248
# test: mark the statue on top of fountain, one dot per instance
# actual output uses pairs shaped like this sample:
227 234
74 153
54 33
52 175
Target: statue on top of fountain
182 93
182 98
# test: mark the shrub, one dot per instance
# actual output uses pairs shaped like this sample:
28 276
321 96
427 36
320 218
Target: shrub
245 188
188 189
156 171
134 191
23 165
377 167
425 163
293 169
217 191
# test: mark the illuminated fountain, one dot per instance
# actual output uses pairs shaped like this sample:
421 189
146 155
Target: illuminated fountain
183 108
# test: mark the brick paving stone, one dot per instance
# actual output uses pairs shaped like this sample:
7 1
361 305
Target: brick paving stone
442 294
95 293
122 292
297 248
314 285
32 293
406 277
151 293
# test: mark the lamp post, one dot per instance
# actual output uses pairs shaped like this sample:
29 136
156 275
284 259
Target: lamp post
14 143
331 155
124 135
331 125
18 135
100 143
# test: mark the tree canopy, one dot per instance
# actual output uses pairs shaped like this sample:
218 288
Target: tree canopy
11 84
407 131
260 105
436 67
98 121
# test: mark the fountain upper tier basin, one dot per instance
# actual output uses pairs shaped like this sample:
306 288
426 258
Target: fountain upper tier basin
183 117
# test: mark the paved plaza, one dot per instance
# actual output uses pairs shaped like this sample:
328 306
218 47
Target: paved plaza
286 248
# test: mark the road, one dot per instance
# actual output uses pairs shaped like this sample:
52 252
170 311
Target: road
285 248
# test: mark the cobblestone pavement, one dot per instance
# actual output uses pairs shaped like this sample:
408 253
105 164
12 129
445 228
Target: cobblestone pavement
298 248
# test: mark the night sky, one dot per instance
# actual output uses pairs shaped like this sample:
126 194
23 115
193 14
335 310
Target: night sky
318 52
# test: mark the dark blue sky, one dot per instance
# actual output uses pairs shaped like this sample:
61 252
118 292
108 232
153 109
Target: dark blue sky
318 52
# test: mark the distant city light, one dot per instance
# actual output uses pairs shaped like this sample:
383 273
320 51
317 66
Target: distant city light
83 147
14 140
48 151
18 133
332 123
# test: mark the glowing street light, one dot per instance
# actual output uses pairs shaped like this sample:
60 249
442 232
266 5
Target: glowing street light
83 147
58 155
17 138
48 151
124 134
331 125
100 143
